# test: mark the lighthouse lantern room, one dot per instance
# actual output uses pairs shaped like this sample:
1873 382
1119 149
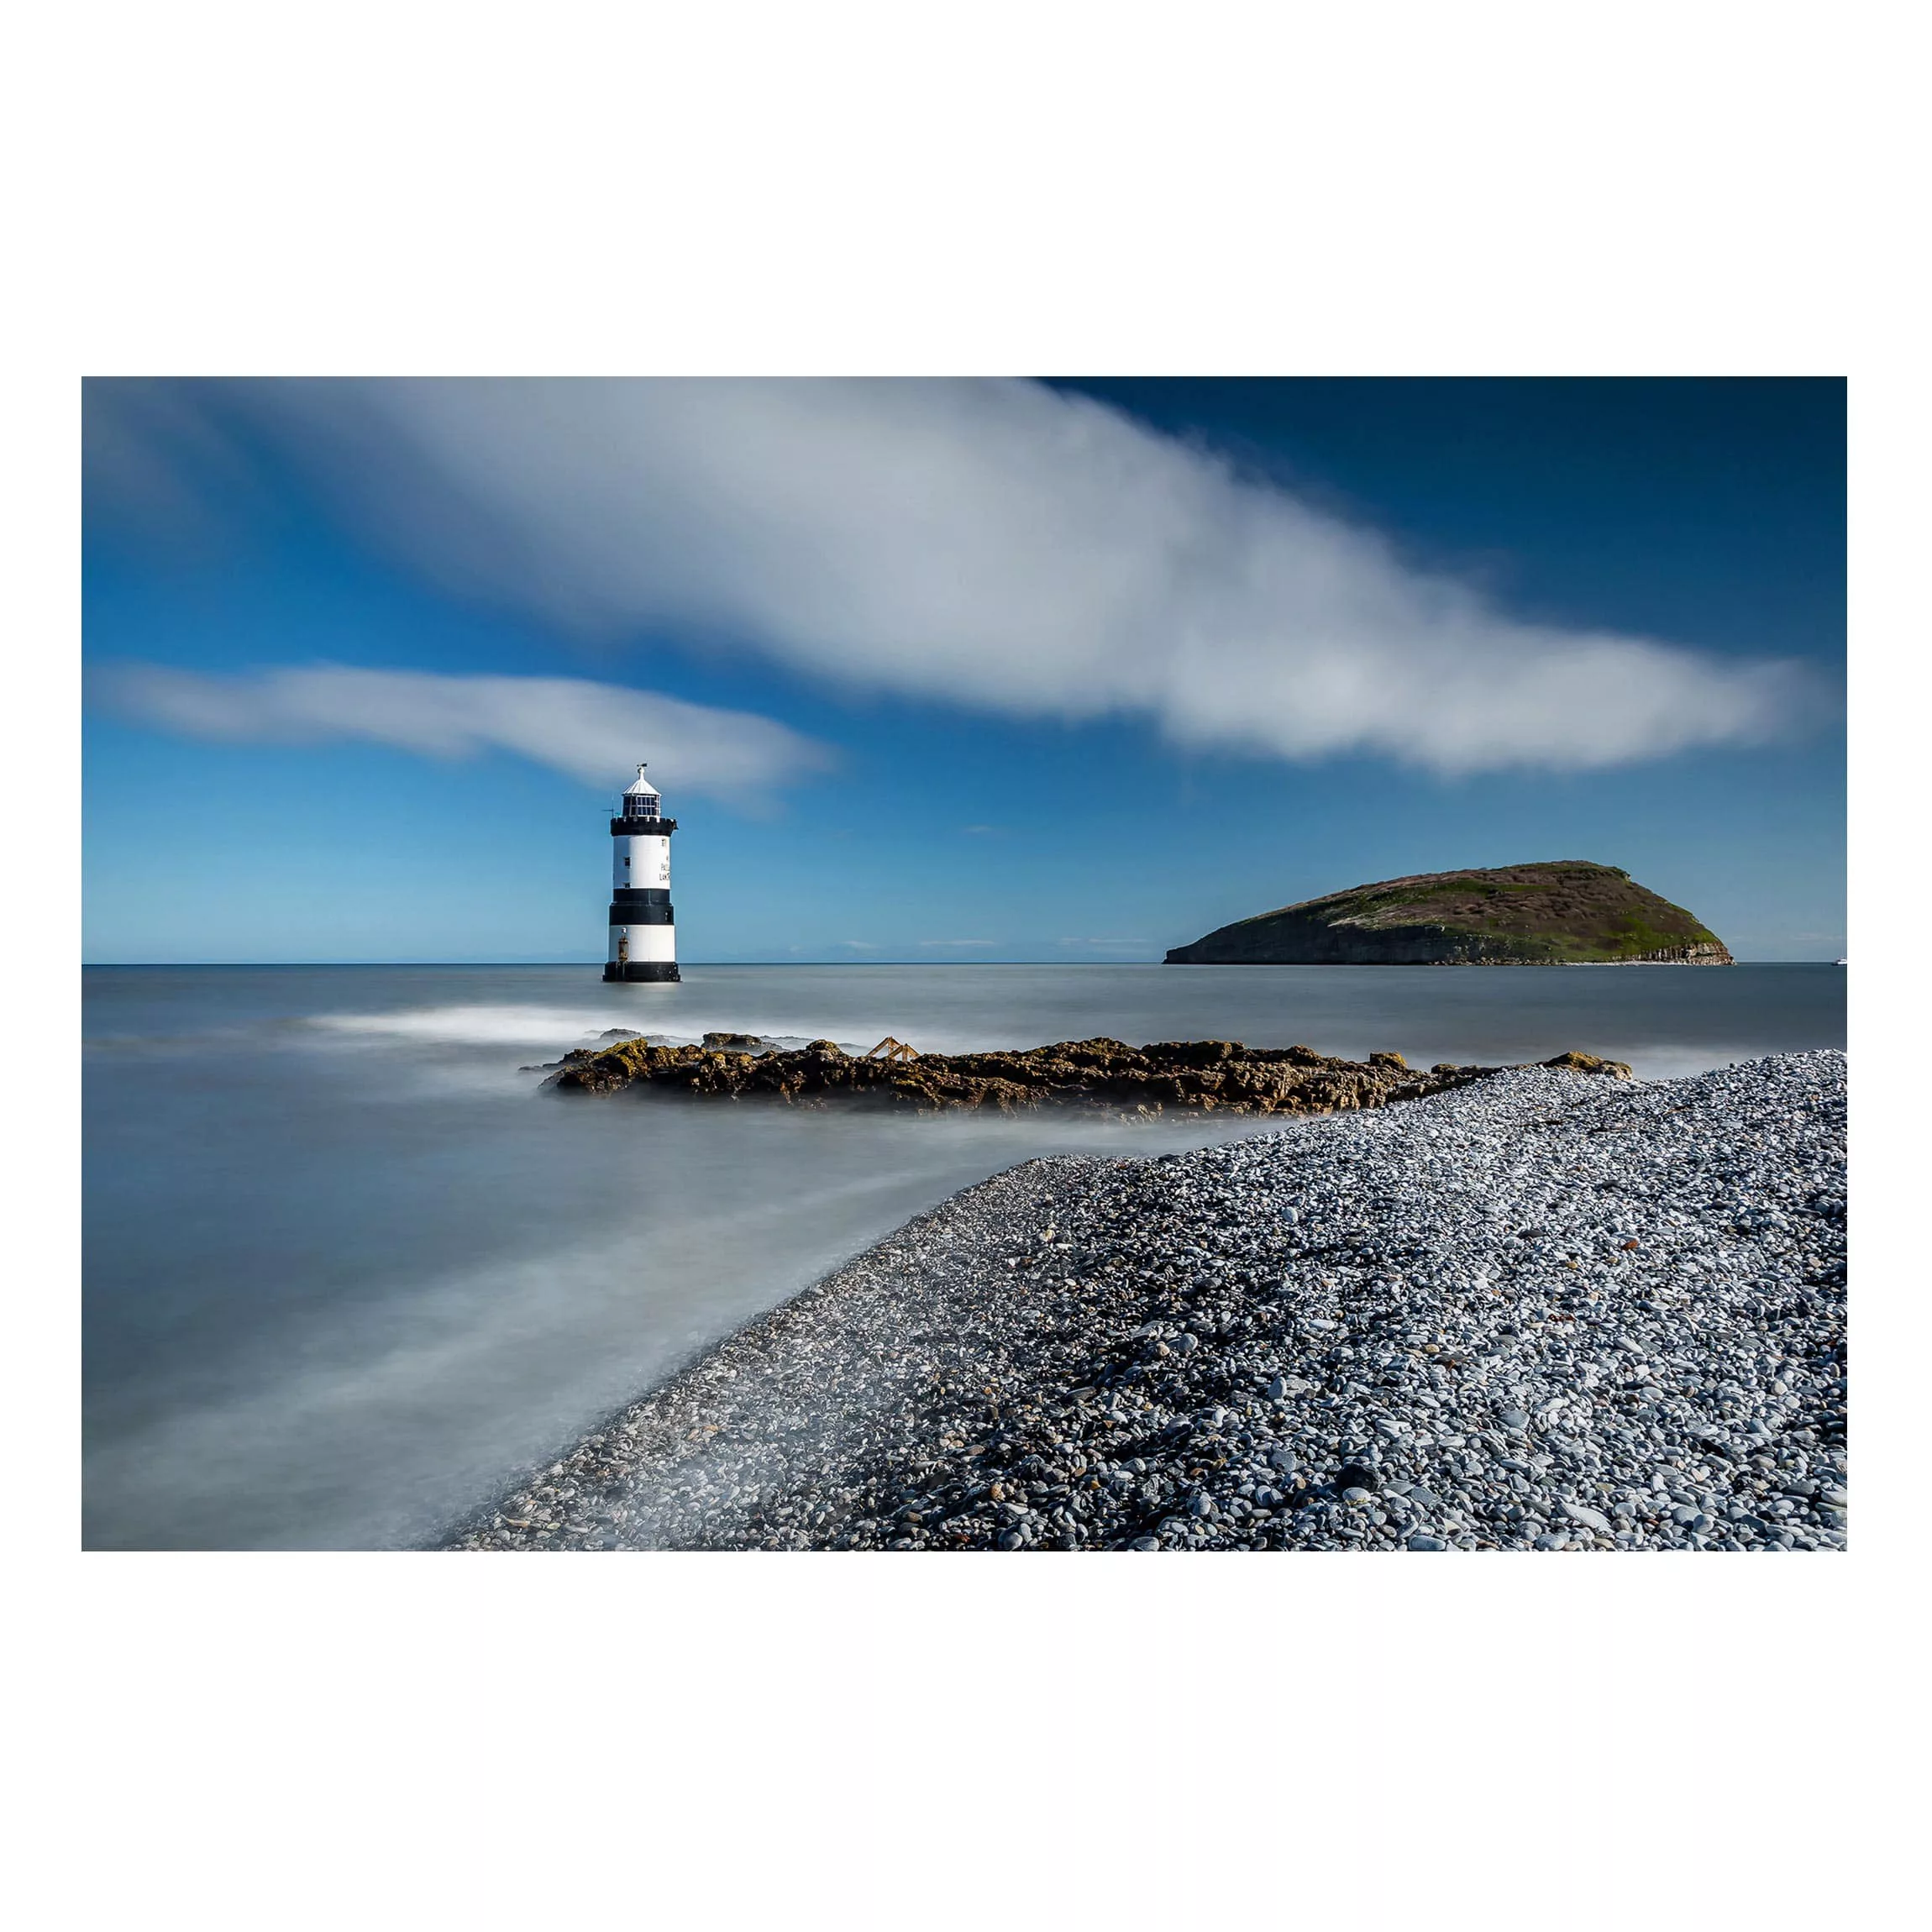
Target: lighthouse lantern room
643 939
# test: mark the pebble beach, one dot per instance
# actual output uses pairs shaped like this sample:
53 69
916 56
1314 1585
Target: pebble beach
1548 1311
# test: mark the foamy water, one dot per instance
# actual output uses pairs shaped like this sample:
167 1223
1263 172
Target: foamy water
349 1269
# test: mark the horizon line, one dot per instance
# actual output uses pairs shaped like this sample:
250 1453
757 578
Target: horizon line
261 965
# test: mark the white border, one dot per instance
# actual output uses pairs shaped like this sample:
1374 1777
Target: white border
1049 188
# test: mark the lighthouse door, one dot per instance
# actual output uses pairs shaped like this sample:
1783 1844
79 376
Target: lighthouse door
623 948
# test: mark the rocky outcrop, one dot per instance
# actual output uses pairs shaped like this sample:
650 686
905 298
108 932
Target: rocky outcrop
1101 1074
1561 912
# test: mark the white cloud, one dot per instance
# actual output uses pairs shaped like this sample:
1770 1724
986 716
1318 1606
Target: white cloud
596 732
998 544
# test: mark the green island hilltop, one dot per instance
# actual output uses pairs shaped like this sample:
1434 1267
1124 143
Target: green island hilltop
1560 912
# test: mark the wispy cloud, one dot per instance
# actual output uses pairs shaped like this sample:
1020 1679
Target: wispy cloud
997 544
596 732
958 942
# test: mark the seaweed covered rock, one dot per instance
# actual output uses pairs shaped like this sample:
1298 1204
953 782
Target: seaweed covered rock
1100 1074
1574 1062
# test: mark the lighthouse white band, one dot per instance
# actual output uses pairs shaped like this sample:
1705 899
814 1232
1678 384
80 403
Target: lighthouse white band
641 944
640 862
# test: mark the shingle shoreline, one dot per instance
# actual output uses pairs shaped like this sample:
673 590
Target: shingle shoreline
1545 1311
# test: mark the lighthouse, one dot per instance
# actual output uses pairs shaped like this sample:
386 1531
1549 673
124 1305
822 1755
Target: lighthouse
644 941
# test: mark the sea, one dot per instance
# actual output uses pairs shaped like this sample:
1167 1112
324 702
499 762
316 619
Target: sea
351 1269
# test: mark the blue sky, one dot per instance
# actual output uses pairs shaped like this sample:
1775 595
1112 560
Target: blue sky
1074 670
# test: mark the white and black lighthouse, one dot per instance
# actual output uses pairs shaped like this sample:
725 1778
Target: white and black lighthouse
644 941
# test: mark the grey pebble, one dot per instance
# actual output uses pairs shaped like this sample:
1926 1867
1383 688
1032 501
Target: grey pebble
1591 1519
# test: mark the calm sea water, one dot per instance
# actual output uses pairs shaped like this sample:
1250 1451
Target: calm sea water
348 1269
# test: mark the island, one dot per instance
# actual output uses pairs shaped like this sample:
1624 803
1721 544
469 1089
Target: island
1556 912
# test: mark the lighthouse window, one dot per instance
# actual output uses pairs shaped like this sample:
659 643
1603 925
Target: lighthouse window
643 808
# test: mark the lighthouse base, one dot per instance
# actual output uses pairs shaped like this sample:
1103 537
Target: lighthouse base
642 970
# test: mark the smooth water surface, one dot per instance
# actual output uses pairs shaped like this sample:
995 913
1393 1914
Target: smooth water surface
349 1269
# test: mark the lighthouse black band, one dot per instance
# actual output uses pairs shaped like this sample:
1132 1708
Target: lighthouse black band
643 969
642 896
642 915
642 828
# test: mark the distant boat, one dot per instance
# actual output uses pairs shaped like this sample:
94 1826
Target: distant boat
1841 962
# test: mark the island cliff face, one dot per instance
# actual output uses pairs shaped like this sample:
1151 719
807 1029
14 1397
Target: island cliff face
1562 912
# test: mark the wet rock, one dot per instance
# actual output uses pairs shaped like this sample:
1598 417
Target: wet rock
1096 1074
1575 1062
